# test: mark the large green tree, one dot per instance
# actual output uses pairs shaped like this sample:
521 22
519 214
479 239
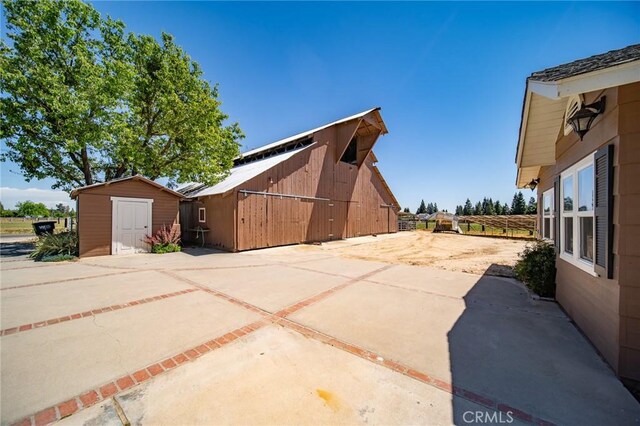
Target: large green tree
468 208
532 206
518 205
82 101
422 208
497 207
31 209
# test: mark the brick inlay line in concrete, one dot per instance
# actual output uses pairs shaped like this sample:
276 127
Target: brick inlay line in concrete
214 268
93 312
39 265
68 279
443 385
93 396
320 296
284 312
217 293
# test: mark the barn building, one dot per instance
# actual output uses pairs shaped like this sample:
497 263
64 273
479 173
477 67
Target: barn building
319 185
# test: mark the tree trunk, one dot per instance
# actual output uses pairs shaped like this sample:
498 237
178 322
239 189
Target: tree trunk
86 167
120 171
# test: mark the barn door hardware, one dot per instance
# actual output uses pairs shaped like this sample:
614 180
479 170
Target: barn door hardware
275 194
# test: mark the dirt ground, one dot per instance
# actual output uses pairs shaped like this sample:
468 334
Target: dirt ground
463 253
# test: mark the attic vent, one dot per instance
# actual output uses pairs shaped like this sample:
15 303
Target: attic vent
573 105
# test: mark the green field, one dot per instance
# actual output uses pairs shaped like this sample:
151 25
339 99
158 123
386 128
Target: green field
20 225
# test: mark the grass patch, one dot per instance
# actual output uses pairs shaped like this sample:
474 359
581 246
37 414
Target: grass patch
21 225
476 229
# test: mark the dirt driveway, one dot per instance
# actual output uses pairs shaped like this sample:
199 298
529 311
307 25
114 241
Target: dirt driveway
453 252
291 335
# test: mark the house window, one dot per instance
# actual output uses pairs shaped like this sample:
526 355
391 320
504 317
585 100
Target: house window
577 224
547 214
351 153
202 215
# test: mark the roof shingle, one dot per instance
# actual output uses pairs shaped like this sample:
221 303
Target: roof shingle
590 64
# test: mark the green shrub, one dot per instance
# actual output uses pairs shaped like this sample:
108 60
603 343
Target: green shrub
58 258
165 248
64 243
536 268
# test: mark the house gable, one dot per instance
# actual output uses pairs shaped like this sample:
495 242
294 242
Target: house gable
546 97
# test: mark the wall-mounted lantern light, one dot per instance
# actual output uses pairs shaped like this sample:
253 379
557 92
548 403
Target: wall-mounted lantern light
533 183
583 118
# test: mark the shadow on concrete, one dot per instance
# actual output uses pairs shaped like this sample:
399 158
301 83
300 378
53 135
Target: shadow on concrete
498 270
527 355
194 250
15 249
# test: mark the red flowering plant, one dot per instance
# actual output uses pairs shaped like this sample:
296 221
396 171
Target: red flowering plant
166 240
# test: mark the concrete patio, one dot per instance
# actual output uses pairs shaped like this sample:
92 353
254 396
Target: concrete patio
292 335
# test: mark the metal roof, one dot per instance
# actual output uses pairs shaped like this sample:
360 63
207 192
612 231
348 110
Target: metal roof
238 175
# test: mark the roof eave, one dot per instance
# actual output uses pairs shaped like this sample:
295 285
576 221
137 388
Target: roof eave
617 75
75 192
614 76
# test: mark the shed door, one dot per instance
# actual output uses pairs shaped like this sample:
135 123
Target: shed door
131 223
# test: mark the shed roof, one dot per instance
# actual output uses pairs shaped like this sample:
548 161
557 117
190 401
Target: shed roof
442 216
140 178
239 175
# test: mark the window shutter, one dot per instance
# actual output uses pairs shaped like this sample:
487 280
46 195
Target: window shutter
603 211
556 214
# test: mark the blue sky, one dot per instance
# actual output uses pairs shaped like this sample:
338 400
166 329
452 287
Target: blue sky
448 76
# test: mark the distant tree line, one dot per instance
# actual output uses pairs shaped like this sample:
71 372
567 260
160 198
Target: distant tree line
31 209
424 208
486 207
427 208
489 207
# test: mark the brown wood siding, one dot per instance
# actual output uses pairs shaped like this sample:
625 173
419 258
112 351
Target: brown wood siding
353 206
94 213
593 302
219 215
628 222
94 224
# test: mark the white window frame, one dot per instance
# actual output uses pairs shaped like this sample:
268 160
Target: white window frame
551 216
574 258
202 210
